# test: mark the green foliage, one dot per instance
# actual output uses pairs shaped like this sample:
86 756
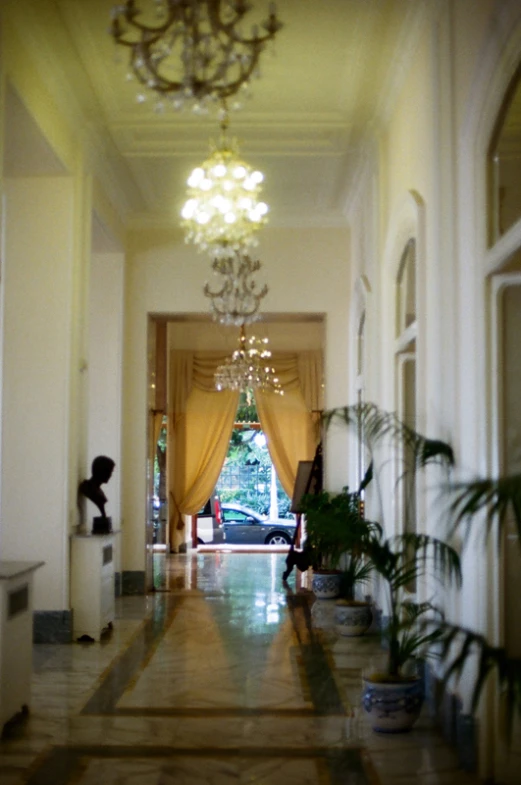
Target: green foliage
485 504
328 518
400 560
358 571
459 643
376 426
335 526
247 410
498 500
246 475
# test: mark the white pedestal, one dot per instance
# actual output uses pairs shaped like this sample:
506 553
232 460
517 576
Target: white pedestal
16 637
92 583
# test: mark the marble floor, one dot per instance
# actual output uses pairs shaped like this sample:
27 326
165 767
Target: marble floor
223 675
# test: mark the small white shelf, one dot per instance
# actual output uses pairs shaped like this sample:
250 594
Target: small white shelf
16 637
92 584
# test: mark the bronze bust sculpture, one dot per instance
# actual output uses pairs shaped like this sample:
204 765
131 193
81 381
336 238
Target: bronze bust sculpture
101 471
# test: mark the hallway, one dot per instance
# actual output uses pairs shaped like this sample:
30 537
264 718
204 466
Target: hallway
221 676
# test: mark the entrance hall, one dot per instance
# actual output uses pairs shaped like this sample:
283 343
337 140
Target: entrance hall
224 675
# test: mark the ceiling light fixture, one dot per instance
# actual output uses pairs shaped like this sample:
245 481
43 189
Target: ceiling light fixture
194 51
236 299
249 367
223 213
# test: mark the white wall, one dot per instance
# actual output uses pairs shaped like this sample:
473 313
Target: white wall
104 369
36 376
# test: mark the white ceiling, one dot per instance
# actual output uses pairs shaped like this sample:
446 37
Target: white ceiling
334 72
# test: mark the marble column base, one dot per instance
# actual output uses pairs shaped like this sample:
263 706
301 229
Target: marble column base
133 582
52 626
459 729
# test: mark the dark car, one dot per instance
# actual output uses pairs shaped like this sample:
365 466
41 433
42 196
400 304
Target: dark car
243 526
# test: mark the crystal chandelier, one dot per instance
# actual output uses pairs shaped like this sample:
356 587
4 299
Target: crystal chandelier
194 51
223 213
237 297
249 367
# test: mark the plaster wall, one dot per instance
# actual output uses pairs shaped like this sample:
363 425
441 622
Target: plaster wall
474 24
36 377
211 336
22 72
434 145
104 367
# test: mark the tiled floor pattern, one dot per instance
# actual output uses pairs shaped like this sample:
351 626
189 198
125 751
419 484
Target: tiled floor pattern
222 676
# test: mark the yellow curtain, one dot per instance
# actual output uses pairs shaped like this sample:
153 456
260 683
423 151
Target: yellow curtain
201 425
311 376
287 420
209 423
180 372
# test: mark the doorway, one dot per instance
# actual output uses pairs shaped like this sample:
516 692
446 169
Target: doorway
197 334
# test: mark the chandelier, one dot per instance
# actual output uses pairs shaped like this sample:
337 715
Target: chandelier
249 367
223 213
195 51
237 298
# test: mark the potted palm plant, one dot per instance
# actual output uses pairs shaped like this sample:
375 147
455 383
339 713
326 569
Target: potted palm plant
328 517
414 627
393 698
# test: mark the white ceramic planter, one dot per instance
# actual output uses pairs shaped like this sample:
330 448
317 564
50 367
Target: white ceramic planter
352 618
326 585
392 707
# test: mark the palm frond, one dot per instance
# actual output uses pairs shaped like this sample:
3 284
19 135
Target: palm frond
494 498
406 556
412 611
374 426
431 450
444 558
458 643
367 478
415 645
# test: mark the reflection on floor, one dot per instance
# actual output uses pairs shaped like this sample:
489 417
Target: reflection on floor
221 676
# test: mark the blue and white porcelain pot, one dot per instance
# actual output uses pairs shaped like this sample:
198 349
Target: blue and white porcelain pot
326 585
352 617
392 707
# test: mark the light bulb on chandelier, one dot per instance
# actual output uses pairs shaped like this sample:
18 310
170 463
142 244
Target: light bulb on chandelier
249 367
223 213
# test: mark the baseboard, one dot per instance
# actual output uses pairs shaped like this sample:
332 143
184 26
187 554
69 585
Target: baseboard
459 729
133 582
52 626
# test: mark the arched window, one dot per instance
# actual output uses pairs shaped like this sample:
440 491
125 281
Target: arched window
405 374
504 215
360 370
504 165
